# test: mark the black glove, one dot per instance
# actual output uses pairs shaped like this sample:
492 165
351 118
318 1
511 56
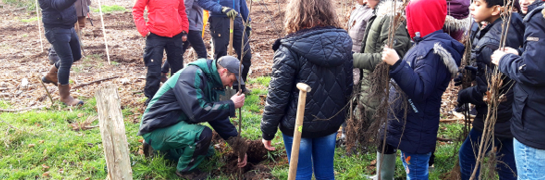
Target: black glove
470 70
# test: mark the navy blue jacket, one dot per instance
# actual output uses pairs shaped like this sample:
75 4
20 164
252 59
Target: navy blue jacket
485 42
423 75
214 6
528 70
322 58
58 13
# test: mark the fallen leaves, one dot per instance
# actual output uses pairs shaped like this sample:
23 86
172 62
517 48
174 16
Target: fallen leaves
31 145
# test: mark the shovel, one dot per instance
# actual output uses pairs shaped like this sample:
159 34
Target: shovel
294 159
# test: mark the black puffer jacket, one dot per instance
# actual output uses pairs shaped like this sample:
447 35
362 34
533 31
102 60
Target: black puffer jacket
58 13
485 42
320 57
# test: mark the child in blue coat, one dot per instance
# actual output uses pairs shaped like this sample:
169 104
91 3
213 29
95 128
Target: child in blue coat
422 75
528 72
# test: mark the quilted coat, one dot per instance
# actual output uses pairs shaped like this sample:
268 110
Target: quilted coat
528 70
320 57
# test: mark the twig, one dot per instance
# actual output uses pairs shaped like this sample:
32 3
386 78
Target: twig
444 139
22 109
47 91
100 80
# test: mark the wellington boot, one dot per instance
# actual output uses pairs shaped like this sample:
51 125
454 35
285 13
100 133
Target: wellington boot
64 92
387 171
51 76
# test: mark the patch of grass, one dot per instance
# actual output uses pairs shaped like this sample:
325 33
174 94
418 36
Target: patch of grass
4 104
72 154
29 4
29 20
109 9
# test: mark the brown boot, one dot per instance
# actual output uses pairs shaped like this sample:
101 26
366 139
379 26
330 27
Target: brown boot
51 76
64 92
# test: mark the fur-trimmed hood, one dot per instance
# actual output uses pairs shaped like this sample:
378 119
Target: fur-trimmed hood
454 24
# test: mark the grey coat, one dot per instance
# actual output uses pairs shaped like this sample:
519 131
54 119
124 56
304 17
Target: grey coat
82 7
194 15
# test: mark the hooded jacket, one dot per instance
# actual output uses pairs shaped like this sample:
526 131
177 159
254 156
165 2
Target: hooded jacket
166 18
423 75
191 95
376 36
58 13
320 57
485 42
528 70
457 20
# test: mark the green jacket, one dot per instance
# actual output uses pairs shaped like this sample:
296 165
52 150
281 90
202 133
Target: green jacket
191 95
376 36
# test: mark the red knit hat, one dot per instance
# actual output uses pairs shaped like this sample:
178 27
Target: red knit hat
425 16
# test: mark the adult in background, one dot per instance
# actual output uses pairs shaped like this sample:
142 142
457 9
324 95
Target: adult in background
221 13
171 122
195 17
165 30
317 52
82 9
59 17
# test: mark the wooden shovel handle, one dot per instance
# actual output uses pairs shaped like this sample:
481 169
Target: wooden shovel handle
294 159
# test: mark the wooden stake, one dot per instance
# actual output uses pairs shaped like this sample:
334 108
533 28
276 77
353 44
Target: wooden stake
39 26
294 159
104 31
231 29
112 130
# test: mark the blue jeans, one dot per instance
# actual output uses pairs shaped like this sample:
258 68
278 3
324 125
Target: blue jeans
66 44
470 147
530 161
314 153
416 165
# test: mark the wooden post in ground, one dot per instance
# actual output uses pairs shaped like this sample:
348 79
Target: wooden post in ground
112 130
104 31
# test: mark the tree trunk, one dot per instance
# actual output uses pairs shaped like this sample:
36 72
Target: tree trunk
112 130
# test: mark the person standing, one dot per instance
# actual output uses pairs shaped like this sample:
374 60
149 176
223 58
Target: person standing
326 68
82 9
195 17
527 68
422 75
165 30
59 17
221 13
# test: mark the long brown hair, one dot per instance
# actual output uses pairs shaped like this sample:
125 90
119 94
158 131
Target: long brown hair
302 14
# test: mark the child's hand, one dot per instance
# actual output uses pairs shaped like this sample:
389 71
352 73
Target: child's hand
498 54
389 56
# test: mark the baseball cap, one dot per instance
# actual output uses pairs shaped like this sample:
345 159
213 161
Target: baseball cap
231 64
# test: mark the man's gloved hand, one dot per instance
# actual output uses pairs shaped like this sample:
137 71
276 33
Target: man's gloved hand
467 69
238 100
231 13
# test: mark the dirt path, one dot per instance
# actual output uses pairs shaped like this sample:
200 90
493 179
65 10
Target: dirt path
22 57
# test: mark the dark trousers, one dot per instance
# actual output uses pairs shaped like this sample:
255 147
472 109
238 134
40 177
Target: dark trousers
506 158
194 38
66 44
219 29
153 58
